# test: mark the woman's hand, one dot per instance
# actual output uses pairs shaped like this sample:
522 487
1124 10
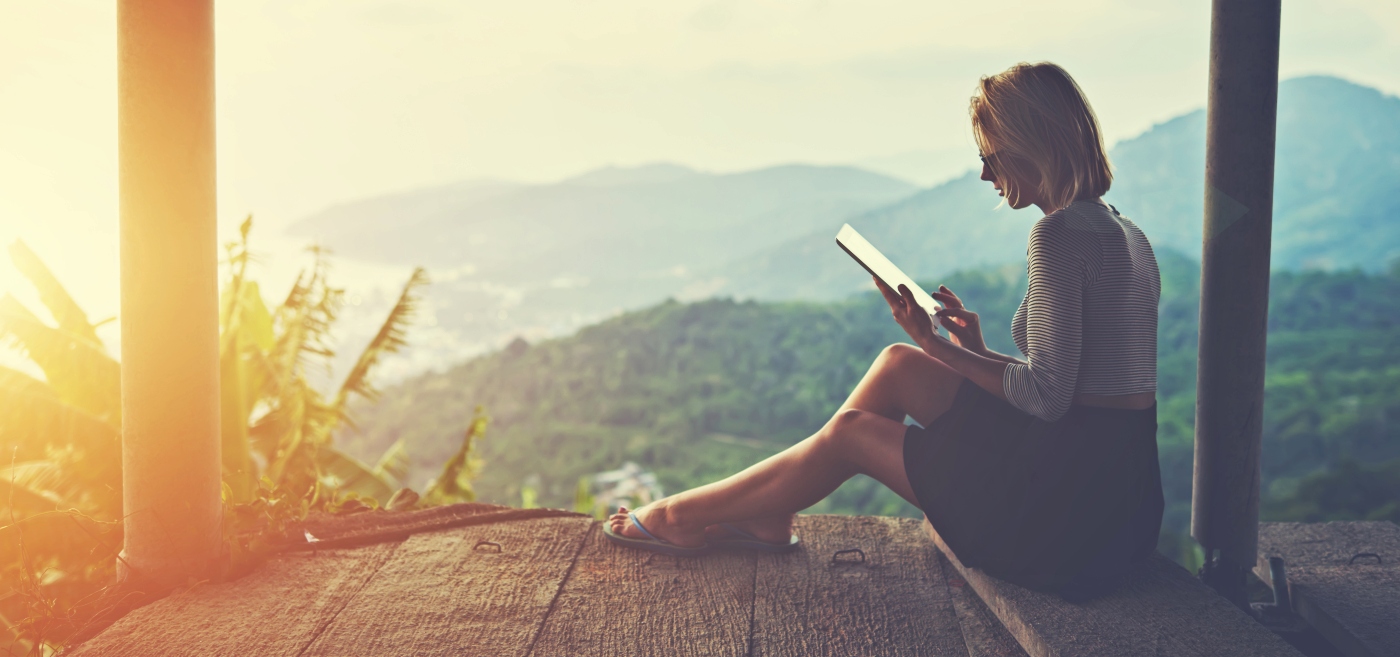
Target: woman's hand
908 314
962 324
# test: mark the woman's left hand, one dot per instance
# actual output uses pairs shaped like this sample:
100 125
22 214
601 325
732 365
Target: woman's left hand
909 314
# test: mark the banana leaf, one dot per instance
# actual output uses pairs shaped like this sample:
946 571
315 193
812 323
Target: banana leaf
35 423
349 474
32 487
78 369
394 463
389 339
65 310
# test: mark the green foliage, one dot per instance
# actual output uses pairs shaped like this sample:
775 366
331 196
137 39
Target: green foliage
585 502
271 409
1351 491
454 483
61 436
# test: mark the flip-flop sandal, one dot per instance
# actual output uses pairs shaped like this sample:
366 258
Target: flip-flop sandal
746 541
652 543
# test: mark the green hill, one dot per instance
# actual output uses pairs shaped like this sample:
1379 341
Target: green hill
698 391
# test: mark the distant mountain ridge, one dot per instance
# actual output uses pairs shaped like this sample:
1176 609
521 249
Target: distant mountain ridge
661 217
511 259
1335 202
542 260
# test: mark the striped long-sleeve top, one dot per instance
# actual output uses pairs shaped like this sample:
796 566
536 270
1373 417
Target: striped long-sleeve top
1088 323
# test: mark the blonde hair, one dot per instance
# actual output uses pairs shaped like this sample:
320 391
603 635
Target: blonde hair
1040 123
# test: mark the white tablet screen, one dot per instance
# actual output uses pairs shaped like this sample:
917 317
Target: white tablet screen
879 266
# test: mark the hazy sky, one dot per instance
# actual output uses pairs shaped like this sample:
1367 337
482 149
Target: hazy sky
322 101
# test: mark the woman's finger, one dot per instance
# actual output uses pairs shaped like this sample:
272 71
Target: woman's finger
890 296
944 289
948 299
959 313
909 302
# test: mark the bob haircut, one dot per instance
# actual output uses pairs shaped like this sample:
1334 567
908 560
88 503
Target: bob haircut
1032 122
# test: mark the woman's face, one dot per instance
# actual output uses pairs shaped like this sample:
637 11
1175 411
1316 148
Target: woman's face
1024 191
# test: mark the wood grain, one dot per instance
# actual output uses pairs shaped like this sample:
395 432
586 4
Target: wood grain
984 634
443 594
277 610
1161 611
620 601
895 603
1352 601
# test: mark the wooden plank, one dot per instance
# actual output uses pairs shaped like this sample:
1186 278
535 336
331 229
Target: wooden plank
1162 610
444 594
984 634
1352 601
627 602
277 610
894 603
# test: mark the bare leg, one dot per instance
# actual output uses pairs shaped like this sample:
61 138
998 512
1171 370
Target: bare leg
866 436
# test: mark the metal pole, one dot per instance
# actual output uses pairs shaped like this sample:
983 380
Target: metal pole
1244 39
169 288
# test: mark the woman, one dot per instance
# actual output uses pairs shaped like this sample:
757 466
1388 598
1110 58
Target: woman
1040 470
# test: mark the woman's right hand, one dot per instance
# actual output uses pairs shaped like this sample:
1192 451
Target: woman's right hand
962 324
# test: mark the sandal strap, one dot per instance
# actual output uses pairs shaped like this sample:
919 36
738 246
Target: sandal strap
638 524
740 532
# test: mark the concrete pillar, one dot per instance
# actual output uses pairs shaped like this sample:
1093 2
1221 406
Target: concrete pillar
1244 40
169 288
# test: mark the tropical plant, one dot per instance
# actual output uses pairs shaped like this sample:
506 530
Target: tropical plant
454 483
61 482
272 412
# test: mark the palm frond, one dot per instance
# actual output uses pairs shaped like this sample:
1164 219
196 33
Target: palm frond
349 474
78 369
33 487
232 294
34 415
454 484
304 320
16 382
389 339
247 335
65 310
394 462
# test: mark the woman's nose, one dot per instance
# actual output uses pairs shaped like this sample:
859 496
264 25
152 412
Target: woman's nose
987 173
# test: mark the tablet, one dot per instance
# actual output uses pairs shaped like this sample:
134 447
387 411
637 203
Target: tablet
869 257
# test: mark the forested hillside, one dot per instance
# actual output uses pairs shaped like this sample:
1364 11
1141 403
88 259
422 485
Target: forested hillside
697 391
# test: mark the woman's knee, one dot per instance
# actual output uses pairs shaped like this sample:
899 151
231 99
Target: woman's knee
899 355
843 432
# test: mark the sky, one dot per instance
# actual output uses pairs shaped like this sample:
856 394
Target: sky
324 101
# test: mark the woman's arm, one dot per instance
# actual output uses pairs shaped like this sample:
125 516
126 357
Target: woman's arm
1001 358
981 369
965 327
1057 275
985 370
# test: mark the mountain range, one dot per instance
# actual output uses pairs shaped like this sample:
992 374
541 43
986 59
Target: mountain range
1335 203
537 260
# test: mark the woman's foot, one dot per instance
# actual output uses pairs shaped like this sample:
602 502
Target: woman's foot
660 521
775 529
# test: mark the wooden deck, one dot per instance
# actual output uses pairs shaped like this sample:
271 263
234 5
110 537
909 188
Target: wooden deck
553 586
1344 578
1159 610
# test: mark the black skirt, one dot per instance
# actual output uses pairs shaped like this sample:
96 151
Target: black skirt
1063 506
